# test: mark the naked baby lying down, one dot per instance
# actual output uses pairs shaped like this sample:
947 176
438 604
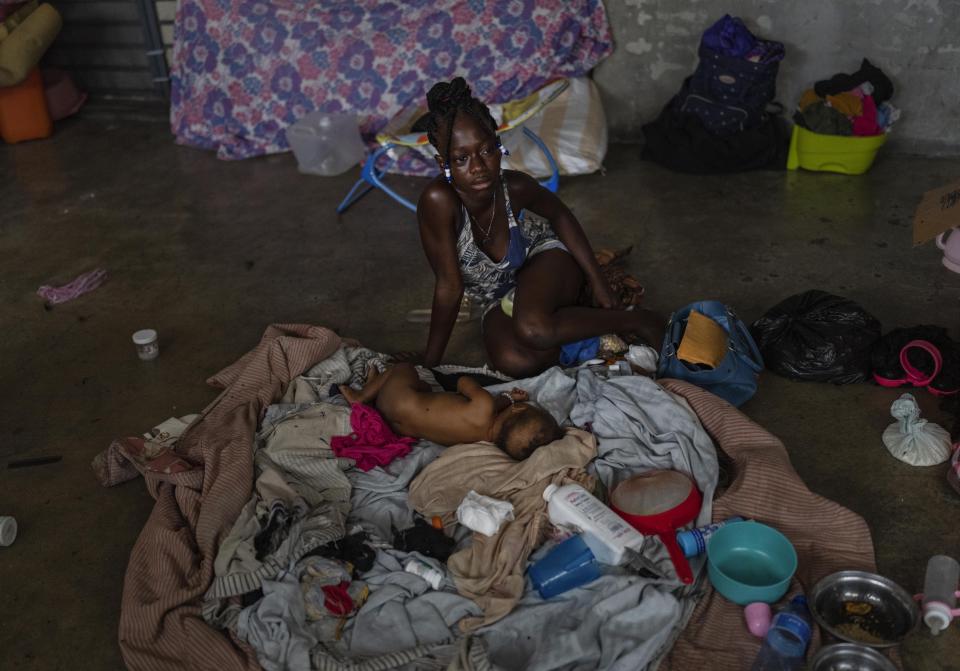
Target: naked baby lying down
470 415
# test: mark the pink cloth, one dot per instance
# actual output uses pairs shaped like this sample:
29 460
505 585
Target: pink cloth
81 285
866 123
372 442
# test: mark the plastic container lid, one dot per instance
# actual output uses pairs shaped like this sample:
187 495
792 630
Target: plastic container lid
549 492
145 336
8 531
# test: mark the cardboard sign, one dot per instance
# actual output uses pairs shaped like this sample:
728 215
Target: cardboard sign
937 212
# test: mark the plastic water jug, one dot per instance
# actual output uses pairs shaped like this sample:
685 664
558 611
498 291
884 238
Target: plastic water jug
326 144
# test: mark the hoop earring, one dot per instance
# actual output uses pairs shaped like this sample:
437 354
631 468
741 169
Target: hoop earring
503 150
447 174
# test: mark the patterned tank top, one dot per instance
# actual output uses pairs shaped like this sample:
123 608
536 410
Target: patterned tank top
485 280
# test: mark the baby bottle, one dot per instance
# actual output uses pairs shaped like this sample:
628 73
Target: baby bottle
940 592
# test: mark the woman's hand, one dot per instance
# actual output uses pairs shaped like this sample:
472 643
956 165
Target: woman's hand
603 295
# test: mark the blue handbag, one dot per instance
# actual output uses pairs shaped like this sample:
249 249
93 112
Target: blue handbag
735 378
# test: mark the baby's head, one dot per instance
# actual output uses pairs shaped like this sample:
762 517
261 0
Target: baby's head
523 427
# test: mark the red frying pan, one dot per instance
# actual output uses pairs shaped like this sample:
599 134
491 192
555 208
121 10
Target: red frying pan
659 502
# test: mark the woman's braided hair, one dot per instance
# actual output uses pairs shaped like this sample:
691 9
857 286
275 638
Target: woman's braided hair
444 101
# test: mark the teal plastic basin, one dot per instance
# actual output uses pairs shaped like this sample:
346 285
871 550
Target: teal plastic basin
749 561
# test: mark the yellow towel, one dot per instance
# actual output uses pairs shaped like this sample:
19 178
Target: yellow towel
704 341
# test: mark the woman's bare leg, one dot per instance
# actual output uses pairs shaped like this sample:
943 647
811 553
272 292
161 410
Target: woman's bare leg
545 317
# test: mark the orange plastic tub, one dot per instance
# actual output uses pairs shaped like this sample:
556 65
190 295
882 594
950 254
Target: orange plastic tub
23 110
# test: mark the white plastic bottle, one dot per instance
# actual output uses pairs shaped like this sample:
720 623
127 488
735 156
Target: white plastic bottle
606 534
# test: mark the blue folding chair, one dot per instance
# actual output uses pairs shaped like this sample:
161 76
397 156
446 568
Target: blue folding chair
514 113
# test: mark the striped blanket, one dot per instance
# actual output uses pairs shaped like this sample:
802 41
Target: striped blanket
171 565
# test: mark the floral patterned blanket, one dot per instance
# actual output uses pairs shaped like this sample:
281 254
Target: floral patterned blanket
245 70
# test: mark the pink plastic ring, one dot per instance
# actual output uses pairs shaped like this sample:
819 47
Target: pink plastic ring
914 375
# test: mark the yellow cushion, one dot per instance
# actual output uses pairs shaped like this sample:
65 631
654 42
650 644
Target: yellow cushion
17 18
26 44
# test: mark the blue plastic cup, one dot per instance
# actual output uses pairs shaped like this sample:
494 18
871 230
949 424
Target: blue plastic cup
566 566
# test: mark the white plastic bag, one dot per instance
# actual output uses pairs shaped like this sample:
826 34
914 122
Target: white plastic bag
483 514
326 144
574 128
913 440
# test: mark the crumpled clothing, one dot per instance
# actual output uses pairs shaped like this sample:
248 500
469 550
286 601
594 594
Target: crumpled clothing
317 574
887 115
403 610
808 98
424 539
300 503
372 442
821 118
866 123
491 570
154 453
641 427
575 353
868 72
274 626
74 289
354 549
847 104
379 503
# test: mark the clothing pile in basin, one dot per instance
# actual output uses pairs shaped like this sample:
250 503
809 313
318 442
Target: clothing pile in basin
849 104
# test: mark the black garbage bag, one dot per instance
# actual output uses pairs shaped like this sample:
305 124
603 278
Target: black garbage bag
817 336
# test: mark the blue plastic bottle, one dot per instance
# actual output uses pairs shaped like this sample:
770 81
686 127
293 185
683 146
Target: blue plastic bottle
786 643
693 542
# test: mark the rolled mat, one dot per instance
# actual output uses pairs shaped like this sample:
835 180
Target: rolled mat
14 18
27 43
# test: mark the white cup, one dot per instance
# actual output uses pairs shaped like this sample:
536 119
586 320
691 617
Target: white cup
147 346
8 530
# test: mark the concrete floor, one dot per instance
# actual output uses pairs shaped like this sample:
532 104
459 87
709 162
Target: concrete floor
209 253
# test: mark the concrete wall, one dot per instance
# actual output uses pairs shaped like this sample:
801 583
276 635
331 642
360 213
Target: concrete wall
916 42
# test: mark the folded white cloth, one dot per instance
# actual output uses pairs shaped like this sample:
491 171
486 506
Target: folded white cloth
483 514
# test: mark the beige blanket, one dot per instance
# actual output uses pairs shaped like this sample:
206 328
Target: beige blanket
491 570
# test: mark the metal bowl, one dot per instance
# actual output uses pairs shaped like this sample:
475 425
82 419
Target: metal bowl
864 608
850 657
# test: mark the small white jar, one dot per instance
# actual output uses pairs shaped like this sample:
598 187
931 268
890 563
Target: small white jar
147 346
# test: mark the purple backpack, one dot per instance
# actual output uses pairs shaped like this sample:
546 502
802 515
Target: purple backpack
734 80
